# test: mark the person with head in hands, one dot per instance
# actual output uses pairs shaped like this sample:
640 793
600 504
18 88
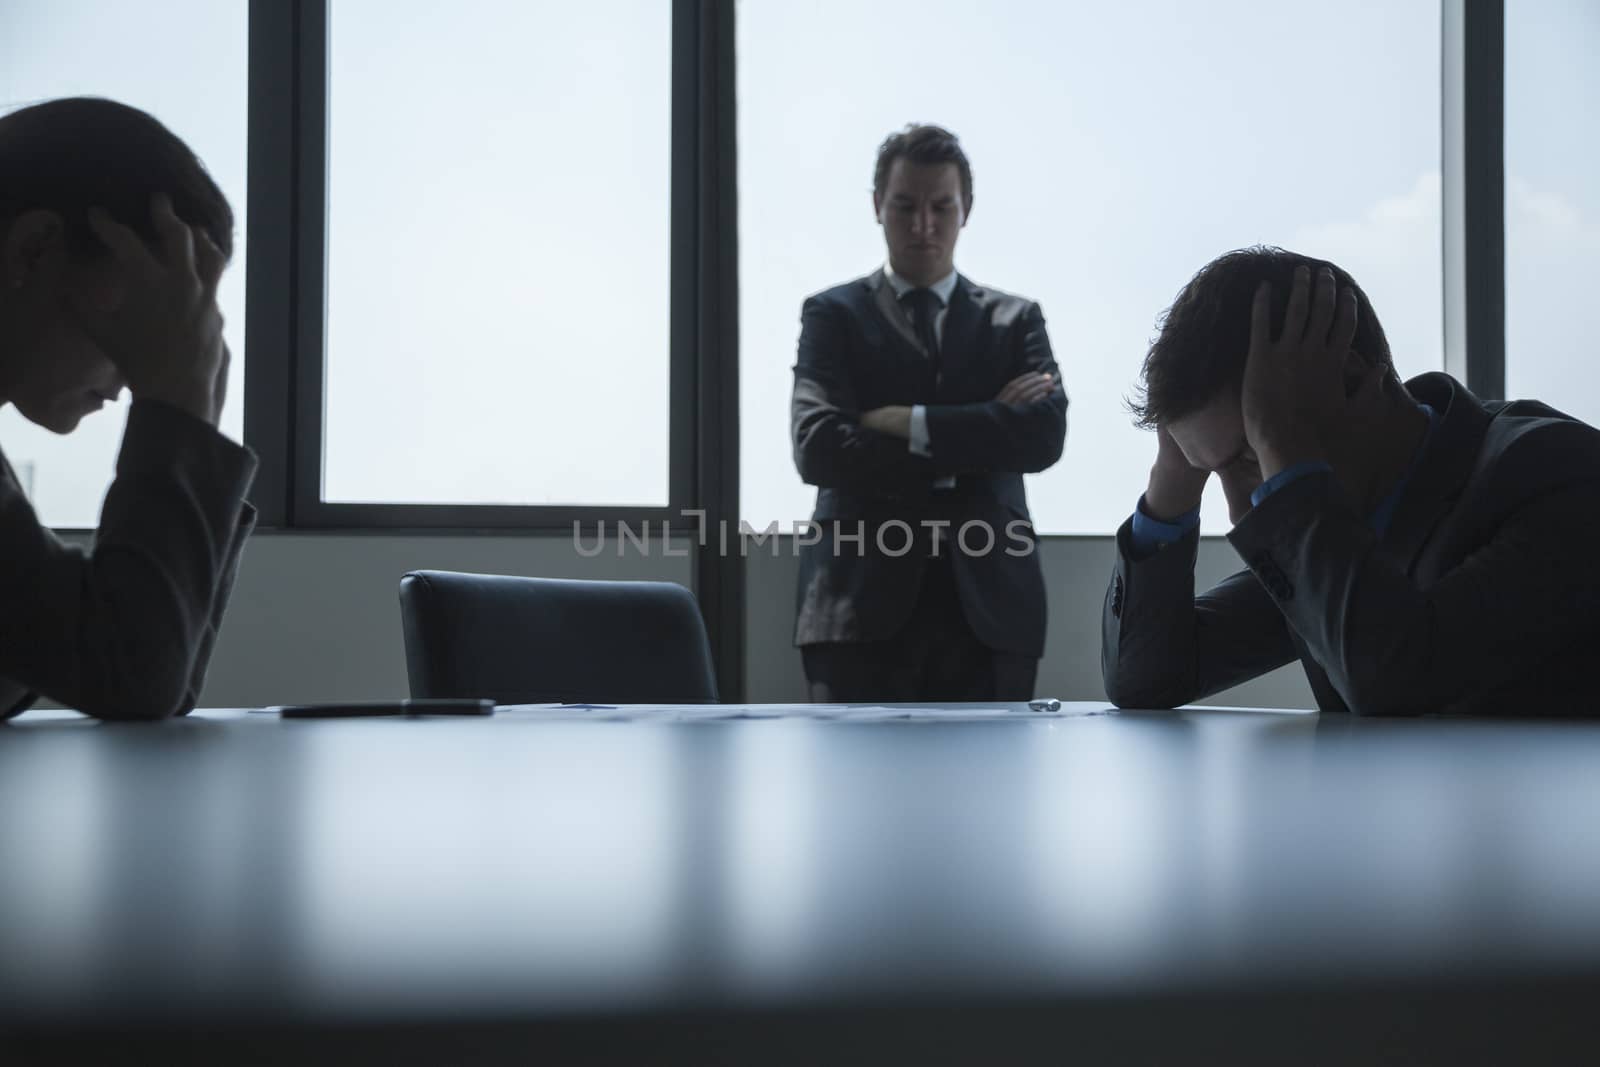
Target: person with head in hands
920 399
112 241
1416 548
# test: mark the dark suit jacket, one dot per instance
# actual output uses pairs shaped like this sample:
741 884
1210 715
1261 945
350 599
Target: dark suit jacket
1482 597
125 631
858 352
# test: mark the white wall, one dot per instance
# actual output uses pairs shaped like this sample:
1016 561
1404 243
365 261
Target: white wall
316 616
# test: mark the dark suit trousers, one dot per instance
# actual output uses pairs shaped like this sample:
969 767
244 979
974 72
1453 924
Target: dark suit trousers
934 657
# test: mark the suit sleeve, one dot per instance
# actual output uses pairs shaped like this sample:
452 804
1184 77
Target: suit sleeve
1391 648
219 607
831 448
1162 646
122 631
991 436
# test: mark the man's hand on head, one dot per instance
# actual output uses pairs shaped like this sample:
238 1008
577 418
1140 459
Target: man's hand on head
1175 487
1294 384
893 419
165 335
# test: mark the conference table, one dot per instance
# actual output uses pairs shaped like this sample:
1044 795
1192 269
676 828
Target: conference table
762 884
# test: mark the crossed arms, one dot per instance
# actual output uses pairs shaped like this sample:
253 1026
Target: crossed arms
839 445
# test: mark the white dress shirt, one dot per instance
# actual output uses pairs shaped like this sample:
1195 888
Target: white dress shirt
920 443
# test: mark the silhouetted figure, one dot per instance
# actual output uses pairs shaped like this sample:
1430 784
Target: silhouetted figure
920 399
1418 549
112 240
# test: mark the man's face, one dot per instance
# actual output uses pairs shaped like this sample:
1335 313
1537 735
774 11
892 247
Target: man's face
922 211
1212 439
72 378
58 373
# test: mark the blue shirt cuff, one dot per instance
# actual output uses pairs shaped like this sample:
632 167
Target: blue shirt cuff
1284 477
1149 533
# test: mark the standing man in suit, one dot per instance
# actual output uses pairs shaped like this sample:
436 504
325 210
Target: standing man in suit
1417 549
920 400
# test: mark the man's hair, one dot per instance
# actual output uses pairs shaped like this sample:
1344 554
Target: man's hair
925 145
1199 351
72 154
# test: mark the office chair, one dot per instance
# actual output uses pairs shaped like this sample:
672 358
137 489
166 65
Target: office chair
553 640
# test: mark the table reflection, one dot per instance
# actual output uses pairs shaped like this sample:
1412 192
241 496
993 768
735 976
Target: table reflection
341 869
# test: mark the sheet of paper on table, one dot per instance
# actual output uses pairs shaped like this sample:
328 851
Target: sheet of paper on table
827 712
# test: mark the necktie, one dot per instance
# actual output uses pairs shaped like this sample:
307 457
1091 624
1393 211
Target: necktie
924 305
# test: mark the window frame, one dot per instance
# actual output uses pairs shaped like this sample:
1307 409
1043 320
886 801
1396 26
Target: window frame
1472 172
285 397
285 404
286 296
286 262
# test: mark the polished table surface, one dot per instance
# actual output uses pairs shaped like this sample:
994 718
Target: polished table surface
957 881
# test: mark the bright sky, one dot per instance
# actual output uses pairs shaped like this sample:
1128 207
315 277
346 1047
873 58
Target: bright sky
1553 203
499 229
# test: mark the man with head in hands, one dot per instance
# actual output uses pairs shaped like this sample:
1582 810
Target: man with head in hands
1418 549
920 400
112 241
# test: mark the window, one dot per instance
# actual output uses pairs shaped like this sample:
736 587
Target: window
184 61
1552 92
498 253
1115 149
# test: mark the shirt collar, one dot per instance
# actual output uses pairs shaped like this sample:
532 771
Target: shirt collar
941 288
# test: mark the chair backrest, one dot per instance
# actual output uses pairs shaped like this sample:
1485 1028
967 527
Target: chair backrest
554 641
